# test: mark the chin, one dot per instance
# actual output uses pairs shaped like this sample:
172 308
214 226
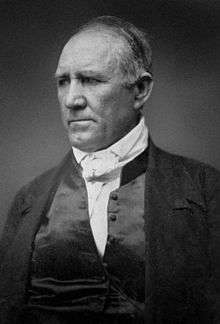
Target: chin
86 147
80 144
87 143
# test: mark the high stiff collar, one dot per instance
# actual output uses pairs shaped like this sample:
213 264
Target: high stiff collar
105 165
126 148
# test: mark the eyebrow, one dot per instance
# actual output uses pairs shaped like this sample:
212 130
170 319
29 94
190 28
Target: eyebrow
92 73
60 74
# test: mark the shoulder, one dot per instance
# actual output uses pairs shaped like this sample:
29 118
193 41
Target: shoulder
37 184
41 184
203 176
166 159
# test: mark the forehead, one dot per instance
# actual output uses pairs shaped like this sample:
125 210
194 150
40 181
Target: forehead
90 49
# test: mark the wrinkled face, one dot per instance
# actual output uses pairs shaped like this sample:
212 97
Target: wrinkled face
96 108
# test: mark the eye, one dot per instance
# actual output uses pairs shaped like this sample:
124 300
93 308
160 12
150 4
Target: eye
89 80
61 82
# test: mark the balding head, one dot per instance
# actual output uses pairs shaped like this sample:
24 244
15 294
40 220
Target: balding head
132 51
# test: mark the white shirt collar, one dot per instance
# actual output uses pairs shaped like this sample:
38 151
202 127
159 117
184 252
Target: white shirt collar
127 147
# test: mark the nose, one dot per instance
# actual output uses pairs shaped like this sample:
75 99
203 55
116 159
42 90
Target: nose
74 98
78 102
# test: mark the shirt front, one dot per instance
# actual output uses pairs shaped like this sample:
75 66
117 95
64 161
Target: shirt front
126 149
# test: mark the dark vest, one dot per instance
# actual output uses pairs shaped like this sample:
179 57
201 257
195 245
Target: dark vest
67 272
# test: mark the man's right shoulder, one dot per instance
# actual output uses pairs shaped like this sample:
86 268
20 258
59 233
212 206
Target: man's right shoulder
36 184
45 180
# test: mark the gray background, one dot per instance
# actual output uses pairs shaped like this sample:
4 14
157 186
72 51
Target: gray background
182 114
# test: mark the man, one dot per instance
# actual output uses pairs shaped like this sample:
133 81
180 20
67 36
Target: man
120 231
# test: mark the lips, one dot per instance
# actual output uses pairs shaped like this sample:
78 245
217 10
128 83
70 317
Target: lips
79 120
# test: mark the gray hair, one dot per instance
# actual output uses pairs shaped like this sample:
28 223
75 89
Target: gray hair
134 59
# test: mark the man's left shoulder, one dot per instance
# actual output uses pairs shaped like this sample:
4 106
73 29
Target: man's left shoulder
204 176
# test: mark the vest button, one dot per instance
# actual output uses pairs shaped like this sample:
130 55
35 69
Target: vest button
110 240
82 205
114 196
113 217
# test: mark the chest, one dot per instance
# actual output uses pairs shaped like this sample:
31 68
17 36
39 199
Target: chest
65 248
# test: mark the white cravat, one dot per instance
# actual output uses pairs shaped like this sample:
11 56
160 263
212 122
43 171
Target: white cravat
101 171
100 166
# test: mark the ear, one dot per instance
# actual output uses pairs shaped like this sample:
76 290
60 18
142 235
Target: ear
143 88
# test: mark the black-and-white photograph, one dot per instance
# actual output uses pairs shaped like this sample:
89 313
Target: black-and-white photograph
109 169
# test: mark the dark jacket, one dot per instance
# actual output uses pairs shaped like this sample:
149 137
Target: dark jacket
182 207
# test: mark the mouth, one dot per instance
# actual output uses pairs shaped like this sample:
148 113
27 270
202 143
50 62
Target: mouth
82 120
79 124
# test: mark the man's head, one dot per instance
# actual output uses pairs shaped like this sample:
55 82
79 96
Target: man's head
103 79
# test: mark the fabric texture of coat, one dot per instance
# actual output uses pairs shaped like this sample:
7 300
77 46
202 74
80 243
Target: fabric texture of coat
182 209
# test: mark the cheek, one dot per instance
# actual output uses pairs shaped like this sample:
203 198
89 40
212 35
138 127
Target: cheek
101 97
60 96
64 117
103 105
60 101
